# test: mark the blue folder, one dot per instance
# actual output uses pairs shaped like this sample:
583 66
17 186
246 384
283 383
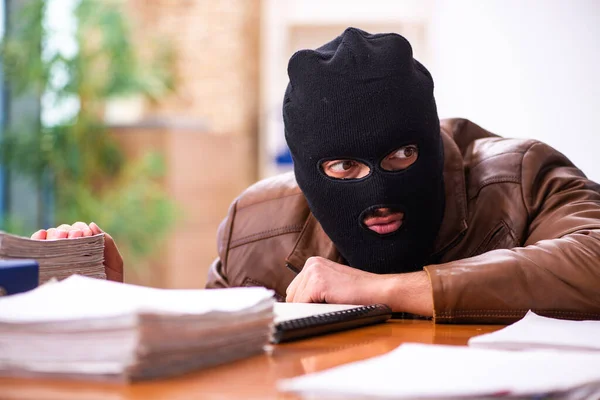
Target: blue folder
18 276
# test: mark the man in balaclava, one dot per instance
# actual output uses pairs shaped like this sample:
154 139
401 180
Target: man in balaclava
363 130
359 99
389 205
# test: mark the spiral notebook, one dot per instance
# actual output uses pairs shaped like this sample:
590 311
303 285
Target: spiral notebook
295 321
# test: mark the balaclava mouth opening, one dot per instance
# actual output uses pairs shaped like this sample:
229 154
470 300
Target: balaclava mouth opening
361 97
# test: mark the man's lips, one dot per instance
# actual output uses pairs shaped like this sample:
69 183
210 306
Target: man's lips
384 225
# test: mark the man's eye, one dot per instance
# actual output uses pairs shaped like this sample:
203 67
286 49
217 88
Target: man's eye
405 152
342 166
345 169
401 158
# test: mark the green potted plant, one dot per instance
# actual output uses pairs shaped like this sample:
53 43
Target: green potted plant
77 157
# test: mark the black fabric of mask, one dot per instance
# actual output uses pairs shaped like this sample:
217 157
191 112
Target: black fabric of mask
361 97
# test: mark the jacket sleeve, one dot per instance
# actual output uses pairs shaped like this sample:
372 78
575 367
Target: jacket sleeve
217 277
556 272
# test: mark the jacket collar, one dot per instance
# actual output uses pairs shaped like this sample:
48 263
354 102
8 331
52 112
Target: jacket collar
313 241
454 223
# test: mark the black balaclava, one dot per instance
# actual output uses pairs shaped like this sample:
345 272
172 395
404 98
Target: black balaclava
361 97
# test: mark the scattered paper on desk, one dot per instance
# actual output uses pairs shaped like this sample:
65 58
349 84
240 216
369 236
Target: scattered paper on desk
96 329
58 258
434 371
537 332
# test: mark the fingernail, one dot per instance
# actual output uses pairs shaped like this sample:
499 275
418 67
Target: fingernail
96 225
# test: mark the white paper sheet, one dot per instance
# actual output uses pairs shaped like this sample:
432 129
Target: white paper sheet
433 371
89 328
535 332
288 311
79 297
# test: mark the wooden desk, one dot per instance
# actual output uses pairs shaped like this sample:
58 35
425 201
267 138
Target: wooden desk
256 377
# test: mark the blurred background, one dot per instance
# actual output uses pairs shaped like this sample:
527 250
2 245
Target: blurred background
149 117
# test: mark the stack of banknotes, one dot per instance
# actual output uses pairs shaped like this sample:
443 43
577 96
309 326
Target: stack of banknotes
58 258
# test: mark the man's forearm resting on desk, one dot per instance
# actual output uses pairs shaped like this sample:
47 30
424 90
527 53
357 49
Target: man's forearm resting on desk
495 285
325 281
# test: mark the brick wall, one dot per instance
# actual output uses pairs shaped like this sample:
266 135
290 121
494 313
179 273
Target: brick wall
217 46
217 51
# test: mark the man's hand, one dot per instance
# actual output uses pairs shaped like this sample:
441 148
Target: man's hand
113 262
324 281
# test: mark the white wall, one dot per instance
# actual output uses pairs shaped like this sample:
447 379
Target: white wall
526 68
281 17
520 68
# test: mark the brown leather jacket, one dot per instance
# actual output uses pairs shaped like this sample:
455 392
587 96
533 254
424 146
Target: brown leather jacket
521 231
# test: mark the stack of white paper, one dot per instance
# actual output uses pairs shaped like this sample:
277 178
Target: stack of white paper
537 332
95 329
441 372
58 258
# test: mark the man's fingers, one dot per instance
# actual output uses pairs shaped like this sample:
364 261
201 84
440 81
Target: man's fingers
64 231
75 233
95 228
83 227
302 292
54 233
295 291
39 235
291 289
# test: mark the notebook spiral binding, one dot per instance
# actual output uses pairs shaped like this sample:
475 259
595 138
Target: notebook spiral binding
330 322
